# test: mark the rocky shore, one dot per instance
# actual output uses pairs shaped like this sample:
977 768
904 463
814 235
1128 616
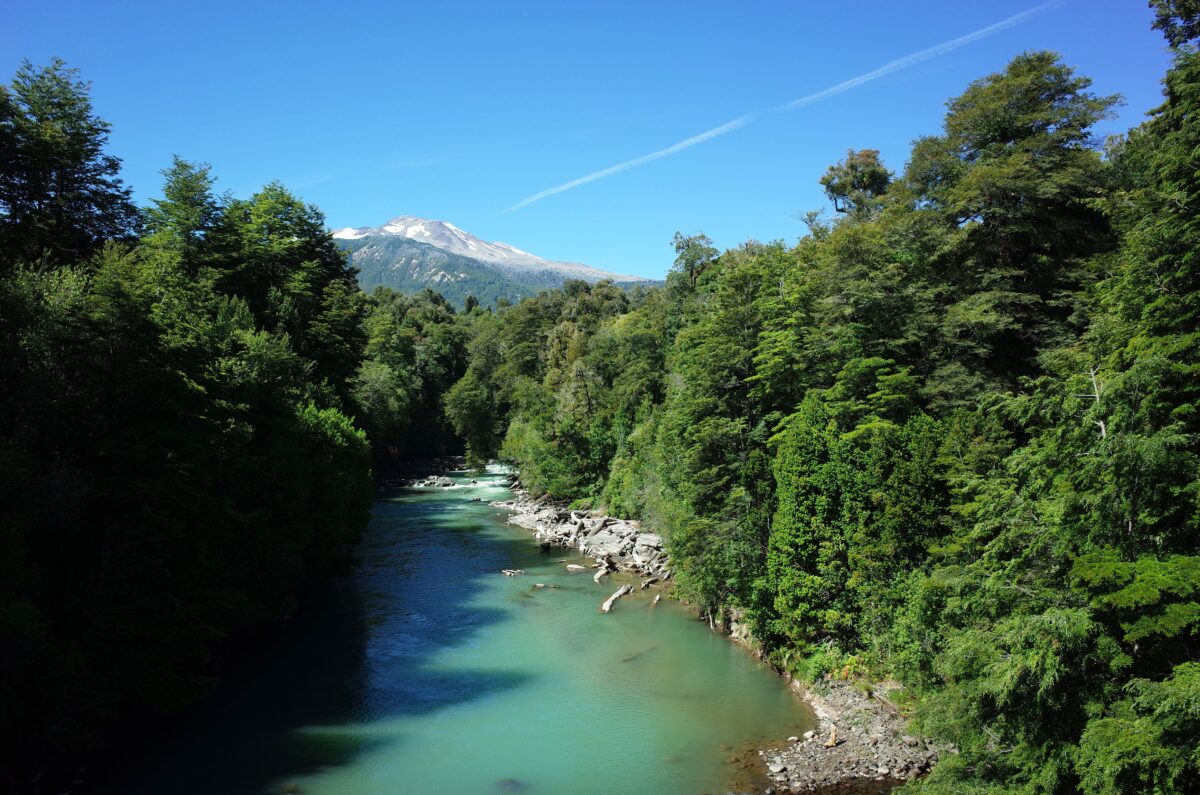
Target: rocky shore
859 746
615 544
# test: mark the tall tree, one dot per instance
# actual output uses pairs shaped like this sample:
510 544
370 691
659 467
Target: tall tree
187 211
1013 183
694 254
272 250
60 193
855 185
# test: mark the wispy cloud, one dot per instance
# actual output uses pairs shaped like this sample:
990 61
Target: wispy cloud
912 59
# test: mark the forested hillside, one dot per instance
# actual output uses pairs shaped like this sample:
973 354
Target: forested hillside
950 438
409 266
385 258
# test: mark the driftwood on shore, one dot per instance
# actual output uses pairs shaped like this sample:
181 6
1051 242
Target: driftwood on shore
608 603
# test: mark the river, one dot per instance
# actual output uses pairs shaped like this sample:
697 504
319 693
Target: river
429 671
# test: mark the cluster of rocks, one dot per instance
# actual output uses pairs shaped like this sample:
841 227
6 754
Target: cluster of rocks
440 481
411 473
859 746
615 544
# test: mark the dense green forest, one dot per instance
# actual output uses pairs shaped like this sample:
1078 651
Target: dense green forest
951 437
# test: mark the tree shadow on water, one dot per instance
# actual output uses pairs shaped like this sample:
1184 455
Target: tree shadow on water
361 650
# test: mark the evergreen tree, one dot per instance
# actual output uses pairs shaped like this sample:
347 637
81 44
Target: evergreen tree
60 194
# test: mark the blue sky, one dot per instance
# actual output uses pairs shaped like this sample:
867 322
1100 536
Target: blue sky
461 111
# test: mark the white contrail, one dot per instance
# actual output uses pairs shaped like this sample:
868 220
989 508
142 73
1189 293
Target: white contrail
911 59
730 126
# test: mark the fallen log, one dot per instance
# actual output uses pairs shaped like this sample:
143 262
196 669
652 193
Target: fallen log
608 603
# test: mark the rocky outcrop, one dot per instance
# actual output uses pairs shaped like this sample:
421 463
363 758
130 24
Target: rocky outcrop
615 544
440 481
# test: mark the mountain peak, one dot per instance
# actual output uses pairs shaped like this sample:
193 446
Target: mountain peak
448 237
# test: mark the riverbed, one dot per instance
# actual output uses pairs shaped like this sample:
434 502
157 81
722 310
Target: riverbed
430 671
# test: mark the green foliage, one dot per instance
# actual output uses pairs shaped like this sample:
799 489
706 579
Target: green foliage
1150 744
694 255
855 185
200 483
1179 20
60 197
1151 598
472 411
186 213
415 351
951 438
175 455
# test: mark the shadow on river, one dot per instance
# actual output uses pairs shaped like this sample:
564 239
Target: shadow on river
427 671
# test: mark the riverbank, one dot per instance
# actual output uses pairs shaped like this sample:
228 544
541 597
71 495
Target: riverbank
860 745
615 544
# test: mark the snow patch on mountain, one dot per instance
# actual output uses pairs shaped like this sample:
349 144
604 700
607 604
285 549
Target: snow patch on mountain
448 237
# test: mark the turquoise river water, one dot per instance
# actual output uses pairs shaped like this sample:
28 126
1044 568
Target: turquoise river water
429 671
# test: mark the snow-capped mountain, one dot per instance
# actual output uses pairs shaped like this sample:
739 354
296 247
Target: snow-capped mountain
411 254
448 237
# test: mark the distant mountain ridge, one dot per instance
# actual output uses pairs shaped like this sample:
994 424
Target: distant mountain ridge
409 254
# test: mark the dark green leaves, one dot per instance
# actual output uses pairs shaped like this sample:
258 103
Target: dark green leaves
60 194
